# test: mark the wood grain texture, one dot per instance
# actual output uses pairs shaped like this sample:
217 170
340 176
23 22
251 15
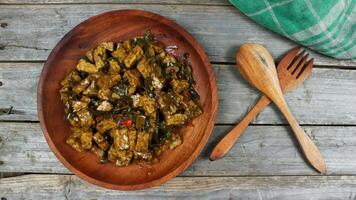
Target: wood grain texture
24 149
325 88
228 141
287 83
31 37
257 66
25 36
68 187
206 2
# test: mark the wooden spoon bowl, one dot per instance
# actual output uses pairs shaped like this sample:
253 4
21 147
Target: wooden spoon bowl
117 26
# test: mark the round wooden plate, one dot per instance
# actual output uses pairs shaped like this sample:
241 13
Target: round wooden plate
117 26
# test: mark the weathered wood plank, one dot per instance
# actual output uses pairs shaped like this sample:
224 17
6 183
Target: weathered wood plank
29 36
190 2
278 187
325 98
18 89
262 150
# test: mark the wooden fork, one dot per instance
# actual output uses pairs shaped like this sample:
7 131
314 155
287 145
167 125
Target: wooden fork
292 70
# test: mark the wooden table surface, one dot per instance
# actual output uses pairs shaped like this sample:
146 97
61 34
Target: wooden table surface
265 163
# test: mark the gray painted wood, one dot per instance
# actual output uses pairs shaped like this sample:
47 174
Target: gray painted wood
220 29
262 150
18 90
255 164
325 98
190 2
280 187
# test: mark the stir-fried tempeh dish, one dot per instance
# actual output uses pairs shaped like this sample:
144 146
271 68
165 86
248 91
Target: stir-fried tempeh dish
125 101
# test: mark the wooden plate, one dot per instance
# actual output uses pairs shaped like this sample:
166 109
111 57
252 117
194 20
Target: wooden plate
117 26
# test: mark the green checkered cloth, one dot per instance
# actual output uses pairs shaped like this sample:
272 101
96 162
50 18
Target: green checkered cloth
326 26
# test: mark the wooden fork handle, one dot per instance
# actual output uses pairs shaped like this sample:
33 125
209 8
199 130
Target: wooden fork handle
309 149
226 143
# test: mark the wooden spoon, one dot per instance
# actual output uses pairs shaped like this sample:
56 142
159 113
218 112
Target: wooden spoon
293 69
256 65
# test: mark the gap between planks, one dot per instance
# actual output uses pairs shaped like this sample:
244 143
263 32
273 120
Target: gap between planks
276 187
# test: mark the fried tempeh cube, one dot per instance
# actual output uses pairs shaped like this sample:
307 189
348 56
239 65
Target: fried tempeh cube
166 103
104 93
149 106
71 78
134 55
85 118
121 138
79 105
99 55
132 139
141 148
86 66
100 141
78 88
74 143
114 66
143 66
86 139
192 110
142 142
120 54
108 46
179 85
105 125
91 90
124 158
176 119
104 106
107 81
120 157
134 79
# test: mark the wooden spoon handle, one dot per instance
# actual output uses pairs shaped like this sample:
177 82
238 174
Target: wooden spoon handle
226 143
309 149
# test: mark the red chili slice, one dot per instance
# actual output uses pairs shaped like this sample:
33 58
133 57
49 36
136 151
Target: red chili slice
127 123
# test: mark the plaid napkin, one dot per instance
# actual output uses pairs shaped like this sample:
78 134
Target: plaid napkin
327 26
